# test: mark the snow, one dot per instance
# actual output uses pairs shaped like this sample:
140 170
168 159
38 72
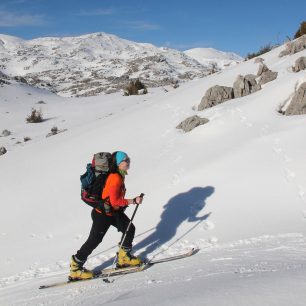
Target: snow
209 56
234 187
98 61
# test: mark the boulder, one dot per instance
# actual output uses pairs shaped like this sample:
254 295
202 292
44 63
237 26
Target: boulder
262 68
6 133
297 105
295 46
245 85
216 95
267 76
258 60
192 122
2 150
300 64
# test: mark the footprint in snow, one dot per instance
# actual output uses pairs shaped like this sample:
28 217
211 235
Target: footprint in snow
290 175
243 120
166 132
301 192
207 225
265 130
277 150
176 177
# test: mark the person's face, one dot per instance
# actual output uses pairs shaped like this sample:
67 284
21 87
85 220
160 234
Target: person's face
125 164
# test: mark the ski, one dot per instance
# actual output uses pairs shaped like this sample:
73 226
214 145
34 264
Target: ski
102 274
105 273
175 257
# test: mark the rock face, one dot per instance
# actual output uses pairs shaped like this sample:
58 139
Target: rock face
216 95
192 122
297 105
294 46
300 64
245 85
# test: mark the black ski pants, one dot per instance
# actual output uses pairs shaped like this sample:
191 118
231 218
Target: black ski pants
100 225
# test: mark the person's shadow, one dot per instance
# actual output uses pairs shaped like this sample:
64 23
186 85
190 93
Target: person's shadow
184 206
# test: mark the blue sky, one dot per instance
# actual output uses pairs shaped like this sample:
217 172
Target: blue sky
237 26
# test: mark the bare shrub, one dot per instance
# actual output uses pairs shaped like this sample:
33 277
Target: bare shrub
301 31
261 51
35 116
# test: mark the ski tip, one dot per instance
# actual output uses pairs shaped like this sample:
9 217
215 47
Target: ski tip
194 251
42 287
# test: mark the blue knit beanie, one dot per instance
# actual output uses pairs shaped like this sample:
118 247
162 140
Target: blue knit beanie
120 156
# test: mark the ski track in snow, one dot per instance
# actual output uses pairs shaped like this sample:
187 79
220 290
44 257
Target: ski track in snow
243 259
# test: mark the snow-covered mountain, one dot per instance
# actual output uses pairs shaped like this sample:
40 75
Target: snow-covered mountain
94 63
234 187
211 56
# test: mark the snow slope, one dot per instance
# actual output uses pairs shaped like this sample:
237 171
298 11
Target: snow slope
234 187
211 56
94 63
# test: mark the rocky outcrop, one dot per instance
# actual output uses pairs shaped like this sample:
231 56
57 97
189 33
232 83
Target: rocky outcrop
192 122
294 46
300 64
216 95
245 85
20 79
297 105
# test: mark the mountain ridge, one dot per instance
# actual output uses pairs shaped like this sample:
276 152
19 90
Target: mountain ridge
95 63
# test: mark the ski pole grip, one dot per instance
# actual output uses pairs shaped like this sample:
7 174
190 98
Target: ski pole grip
142 195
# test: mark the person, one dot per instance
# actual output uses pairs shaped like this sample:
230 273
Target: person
112 213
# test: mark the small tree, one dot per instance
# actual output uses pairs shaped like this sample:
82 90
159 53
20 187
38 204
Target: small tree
261 51
301 31
35 116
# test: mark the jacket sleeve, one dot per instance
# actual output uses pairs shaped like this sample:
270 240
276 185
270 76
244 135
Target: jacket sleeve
116 194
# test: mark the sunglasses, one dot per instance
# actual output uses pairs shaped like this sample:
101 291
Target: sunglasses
127 160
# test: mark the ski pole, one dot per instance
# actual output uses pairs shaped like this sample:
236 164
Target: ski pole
123 238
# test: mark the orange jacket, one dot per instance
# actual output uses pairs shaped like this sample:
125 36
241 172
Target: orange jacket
114 191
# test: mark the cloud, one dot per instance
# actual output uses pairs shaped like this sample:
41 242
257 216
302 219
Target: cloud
97 12
142 25
11 19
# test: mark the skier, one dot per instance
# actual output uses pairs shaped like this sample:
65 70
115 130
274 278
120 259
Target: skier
113 196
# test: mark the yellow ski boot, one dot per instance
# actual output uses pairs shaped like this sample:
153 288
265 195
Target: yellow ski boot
77 271
125 259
